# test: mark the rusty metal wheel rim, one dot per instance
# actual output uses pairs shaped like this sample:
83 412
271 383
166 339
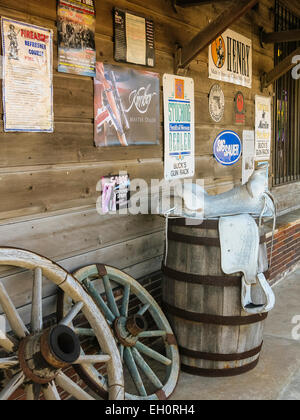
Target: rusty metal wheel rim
56 347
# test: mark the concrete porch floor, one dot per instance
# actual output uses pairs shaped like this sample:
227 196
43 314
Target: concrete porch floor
277 376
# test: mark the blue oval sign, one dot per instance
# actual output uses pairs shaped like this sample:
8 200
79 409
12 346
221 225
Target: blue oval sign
227 148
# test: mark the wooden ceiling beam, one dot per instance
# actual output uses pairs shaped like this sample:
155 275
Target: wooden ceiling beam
191 3
206 36
281 69
278 37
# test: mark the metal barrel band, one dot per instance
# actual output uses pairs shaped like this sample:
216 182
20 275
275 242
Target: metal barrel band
216 357
213 319
193 240
205 224
219 373
217 281
198 240
209 224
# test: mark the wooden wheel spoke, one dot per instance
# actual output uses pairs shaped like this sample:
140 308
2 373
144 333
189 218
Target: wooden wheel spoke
133 370
12 314
110 296
92 360
7 345
87 332
121 350
37 302
9 362
125 301
150 334
51 393
5 342
33 392
99 301
72 314
146 369
144 309
73 389
12 386
153 354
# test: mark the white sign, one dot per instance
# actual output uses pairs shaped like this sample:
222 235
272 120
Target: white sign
230 59
216 103
248 155
27 77
179 109
263 128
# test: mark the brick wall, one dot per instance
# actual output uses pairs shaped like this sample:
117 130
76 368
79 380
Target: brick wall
286 250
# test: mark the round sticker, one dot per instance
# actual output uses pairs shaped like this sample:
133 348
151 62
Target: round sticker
216 103
239 103
218 52
227 148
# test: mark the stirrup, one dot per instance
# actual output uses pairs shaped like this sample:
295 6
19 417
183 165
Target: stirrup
247 302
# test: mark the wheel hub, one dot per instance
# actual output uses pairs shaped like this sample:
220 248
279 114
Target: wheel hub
128 329
43 355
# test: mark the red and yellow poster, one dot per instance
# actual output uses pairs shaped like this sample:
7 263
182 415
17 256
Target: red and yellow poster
127 106
27 77
76 37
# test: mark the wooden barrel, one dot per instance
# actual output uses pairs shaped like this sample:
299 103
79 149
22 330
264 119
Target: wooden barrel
215 336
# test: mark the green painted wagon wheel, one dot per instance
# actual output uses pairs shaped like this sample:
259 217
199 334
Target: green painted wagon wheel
115 293
35 358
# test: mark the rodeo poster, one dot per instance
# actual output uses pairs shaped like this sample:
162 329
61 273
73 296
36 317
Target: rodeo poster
76 37
126 106
27 77
179 110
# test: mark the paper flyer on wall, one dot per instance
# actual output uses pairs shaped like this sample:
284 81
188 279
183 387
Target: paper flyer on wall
115 193
127 106
179 114
263 128
133 38
248 165
76 37
27 77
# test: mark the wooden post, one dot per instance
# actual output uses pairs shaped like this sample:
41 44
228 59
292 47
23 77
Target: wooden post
282 36
282 68
207 35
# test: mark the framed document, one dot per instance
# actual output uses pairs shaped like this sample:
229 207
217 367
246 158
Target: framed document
134 38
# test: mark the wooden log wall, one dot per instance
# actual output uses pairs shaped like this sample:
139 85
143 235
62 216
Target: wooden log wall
48 181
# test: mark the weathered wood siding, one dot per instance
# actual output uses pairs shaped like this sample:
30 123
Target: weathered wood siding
48 181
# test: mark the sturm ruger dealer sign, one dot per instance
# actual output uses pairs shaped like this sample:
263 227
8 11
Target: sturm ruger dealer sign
230 59
179 109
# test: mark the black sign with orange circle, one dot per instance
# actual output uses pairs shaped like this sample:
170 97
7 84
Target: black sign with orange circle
240 111
218 51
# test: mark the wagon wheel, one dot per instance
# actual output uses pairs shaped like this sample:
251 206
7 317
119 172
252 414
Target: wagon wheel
35 358
115 293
